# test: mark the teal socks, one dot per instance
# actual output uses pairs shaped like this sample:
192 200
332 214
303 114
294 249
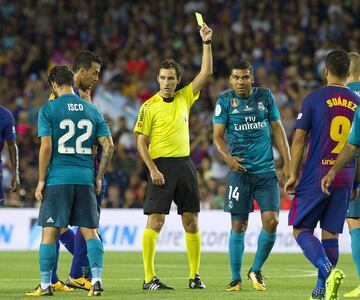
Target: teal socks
355 247
266 242
47 257
95 252
236 252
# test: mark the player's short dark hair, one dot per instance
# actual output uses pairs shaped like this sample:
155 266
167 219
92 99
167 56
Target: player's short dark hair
338 63
62 75
243 64
170 64
85 59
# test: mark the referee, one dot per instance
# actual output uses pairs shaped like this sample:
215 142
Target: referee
162 131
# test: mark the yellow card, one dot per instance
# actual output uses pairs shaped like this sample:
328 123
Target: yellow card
199 19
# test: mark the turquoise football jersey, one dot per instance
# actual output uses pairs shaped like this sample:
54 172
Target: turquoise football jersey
247 127
355 87
74 125
354 135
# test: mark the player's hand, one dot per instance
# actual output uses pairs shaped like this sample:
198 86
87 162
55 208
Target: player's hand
86 95
15 184
326 182
284 173
39 190
291 184
157 177
354 194
234 163
205 33
98 185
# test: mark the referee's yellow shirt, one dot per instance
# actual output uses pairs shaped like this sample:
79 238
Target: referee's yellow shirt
167 123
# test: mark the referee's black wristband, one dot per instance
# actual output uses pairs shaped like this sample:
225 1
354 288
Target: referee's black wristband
207 42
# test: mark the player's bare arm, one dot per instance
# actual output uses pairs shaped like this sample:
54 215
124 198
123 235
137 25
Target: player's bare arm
345 156
44 161
218 138
14 159
142 144
207 61
297 150
94 150
283 146
108 148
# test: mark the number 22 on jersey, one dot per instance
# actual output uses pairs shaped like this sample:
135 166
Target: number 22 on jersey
71 130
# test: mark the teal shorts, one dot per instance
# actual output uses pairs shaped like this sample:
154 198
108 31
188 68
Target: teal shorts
354 209
69 204
243 188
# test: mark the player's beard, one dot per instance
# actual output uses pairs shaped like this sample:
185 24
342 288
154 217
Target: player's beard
83 86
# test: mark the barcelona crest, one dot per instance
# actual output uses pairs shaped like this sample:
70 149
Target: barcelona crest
234 102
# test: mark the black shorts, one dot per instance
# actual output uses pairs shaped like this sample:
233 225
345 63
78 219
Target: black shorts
69 204
181 185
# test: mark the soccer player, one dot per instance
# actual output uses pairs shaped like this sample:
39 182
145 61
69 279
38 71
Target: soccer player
86 67
353 213
68 127
249 115
8 136
162 132
325 119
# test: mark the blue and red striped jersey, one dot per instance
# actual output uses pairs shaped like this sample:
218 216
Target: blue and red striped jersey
327 114
7 129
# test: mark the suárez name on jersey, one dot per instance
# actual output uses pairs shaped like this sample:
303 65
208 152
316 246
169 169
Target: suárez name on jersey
341 102
250 125
75 107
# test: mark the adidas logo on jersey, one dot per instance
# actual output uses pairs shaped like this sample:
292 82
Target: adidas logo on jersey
248 108
235 111
50 220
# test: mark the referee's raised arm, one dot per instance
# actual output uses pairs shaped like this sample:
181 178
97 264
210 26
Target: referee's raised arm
207 61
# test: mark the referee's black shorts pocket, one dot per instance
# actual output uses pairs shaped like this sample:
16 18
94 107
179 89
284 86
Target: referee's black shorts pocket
187 196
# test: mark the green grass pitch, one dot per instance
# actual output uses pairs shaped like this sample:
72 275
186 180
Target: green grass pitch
289 276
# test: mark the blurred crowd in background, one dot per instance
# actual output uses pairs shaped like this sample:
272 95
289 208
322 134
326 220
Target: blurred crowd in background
286 41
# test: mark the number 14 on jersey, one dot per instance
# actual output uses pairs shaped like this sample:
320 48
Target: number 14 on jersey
233 193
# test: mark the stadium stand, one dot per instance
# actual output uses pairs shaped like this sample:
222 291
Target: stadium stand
286 41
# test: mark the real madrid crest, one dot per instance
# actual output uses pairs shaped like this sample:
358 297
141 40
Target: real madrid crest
234 102
261 106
